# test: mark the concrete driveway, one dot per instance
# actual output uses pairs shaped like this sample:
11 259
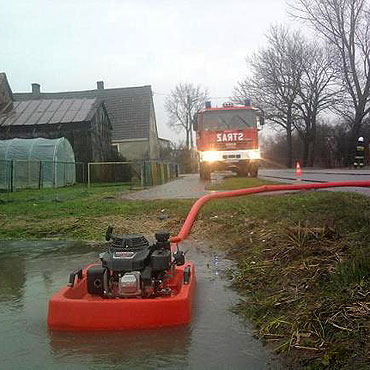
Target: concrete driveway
185 187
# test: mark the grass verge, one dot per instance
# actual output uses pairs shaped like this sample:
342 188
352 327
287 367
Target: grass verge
78 213
304 272
234 182
303 259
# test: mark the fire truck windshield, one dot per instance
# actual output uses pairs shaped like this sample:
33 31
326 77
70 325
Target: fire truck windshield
228 120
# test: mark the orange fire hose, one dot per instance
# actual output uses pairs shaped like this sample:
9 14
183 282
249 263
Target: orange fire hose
193 213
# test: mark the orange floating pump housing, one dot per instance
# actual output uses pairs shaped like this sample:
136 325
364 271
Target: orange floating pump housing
137 285
141 286
74 309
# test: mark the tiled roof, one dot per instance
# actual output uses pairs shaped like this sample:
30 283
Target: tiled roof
128 108
49 111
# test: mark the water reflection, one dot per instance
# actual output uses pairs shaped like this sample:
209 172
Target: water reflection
131 349
30 272
12 280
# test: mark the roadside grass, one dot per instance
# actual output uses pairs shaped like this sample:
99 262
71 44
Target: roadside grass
74 212
303 266
234 182
65 193
306 278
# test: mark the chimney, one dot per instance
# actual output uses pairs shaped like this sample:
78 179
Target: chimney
36 89
6 95
100 85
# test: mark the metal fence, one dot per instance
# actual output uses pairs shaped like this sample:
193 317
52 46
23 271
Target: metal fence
156 173
23 174
147 173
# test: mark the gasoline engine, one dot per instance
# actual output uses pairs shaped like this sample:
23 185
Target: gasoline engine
132 267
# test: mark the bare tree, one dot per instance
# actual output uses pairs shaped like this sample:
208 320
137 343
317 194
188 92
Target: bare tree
317 91
346 25
293 81
276 73
181 105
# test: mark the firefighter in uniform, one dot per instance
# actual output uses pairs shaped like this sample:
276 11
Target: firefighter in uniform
360 153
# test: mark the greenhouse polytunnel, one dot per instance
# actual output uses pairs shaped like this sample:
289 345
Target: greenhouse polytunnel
36 163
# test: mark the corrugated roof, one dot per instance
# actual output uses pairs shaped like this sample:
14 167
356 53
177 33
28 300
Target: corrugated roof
49 111
128 108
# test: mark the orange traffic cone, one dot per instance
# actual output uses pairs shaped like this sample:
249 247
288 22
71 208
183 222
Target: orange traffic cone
298 171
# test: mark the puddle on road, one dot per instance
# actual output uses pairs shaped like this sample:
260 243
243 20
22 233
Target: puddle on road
30 272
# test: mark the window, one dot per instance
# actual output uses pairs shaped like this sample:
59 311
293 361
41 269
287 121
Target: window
228 120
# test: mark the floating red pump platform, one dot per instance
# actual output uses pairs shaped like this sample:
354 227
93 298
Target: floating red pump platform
73 308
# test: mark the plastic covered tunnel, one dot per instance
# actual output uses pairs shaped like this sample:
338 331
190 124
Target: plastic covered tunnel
36 163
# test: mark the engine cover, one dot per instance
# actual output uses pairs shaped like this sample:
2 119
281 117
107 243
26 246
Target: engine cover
130 242
131 267
95 280
160 260
128 253
129 284
124 260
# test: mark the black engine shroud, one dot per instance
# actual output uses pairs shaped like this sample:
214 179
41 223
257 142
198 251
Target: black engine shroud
131 267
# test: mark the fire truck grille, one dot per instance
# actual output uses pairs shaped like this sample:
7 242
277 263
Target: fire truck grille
231 156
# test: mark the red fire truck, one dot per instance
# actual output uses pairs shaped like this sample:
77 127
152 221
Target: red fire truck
227 139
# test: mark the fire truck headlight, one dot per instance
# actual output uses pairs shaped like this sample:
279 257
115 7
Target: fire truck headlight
255 154
210 156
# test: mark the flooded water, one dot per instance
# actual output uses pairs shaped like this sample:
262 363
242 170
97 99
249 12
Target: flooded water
30 272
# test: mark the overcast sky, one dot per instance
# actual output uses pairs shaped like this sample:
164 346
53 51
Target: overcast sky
71 44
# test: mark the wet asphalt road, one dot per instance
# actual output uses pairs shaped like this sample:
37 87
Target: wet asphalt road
319 175
191 187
